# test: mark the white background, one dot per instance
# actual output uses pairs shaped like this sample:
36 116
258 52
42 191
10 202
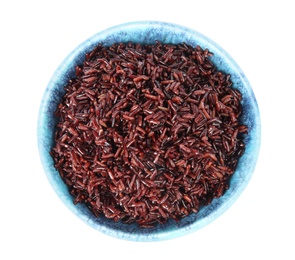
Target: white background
37 35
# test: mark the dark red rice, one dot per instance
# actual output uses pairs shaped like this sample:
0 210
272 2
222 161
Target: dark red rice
148 132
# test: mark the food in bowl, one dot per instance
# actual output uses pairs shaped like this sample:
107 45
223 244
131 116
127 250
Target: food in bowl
148 132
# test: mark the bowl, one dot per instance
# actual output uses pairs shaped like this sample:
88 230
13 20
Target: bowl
146 32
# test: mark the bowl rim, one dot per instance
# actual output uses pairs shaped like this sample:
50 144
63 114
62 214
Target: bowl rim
64 65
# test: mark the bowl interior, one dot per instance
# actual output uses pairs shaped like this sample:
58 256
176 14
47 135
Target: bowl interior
147 33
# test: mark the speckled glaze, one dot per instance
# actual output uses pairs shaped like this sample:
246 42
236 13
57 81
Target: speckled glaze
147 32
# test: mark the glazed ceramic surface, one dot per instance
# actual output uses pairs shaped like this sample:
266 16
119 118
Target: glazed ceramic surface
147 33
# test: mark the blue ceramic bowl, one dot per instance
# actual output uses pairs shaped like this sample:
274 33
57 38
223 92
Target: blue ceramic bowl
146 33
